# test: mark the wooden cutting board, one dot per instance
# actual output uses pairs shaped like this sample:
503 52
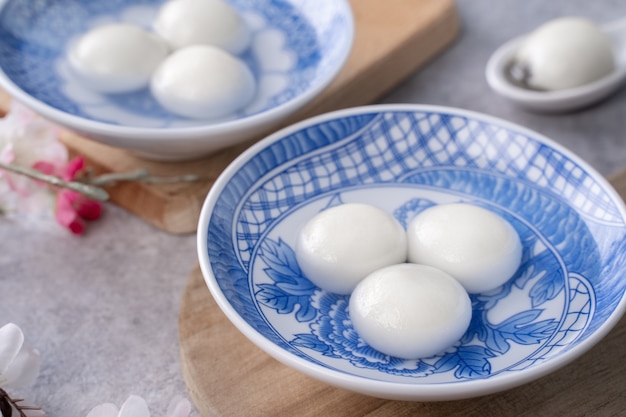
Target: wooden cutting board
393 39
229 376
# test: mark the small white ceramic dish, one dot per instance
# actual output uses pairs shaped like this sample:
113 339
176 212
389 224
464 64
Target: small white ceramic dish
566 296
297 49
571 99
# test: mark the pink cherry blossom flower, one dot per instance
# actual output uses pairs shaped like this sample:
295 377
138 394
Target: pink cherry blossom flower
72 168
66 213
72 208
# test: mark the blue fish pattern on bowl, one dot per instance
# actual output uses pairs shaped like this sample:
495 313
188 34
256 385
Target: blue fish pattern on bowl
572 228
299 39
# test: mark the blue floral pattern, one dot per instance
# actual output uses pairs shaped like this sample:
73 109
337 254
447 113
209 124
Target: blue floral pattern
404 161
331 333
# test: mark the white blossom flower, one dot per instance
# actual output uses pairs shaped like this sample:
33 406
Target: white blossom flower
19 364
30 138
25 139
136 406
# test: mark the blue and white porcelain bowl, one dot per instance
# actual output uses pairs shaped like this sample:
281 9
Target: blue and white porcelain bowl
297 49
566 296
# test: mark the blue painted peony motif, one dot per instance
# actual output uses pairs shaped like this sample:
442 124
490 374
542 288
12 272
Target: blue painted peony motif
290 291
333 335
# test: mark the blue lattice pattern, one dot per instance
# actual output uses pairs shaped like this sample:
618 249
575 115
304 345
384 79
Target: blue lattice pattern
394 144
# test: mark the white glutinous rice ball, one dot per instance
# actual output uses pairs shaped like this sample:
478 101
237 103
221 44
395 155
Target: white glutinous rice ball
476 246
202 22
203 82
116 58
341 245
565 53
410 311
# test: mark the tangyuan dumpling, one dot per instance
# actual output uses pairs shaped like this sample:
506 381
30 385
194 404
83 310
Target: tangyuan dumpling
410 311
202 22
476 246
117 57
341 245
564 53
203 82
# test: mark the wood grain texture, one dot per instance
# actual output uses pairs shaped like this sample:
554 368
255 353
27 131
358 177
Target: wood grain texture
393 39
229 376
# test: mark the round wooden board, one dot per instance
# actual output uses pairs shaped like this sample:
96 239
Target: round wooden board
229 376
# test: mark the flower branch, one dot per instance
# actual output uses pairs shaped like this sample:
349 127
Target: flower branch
87 190
10 405
91 187
140 175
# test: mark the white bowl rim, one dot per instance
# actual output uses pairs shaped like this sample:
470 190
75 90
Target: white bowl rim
190 132
378 388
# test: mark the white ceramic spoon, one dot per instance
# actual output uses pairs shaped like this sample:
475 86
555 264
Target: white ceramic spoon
560 100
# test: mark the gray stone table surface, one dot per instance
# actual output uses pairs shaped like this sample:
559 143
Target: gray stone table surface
102 308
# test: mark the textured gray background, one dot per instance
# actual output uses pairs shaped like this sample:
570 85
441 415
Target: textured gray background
102 309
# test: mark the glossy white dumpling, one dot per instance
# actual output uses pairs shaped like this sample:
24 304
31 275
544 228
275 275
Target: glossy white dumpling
339 246
410 311
116 58
202 22
476 246
565 53
203 82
